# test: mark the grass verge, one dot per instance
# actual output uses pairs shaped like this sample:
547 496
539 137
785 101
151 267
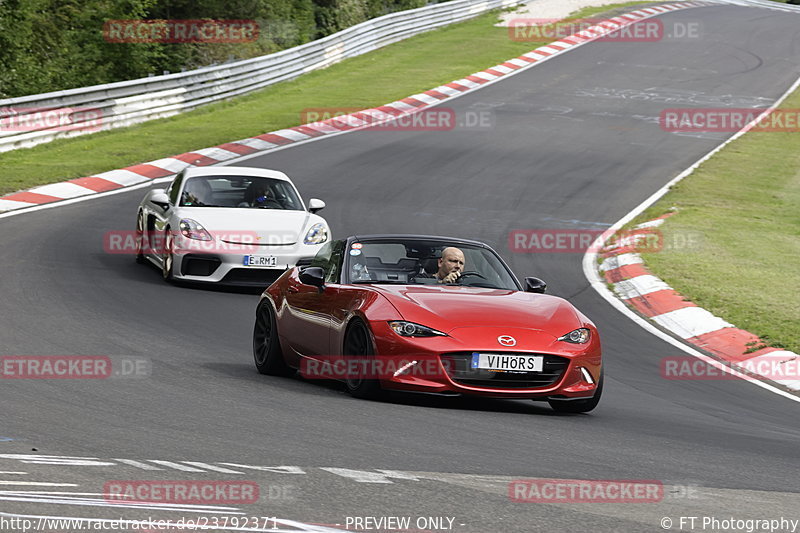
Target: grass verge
399 70
743 206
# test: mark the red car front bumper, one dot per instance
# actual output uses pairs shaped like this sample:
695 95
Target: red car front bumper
442 364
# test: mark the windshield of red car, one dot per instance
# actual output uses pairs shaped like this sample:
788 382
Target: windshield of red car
414 262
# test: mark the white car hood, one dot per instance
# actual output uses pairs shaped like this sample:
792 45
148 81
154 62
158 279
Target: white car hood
243 225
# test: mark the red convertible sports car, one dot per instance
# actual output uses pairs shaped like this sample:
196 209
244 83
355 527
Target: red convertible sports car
427 314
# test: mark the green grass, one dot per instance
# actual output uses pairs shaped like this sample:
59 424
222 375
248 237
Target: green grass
744 204
388 74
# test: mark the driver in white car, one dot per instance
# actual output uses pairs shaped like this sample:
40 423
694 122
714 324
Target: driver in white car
259 194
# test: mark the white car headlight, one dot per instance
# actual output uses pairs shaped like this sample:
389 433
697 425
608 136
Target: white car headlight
317 234
192 229
578 336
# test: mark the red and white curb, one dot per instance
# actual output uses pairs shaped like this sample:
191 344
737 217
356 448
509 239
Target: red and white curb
161 168
652 298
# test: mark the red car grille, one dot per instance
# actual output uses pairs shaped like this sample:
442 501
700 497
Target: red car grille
459 368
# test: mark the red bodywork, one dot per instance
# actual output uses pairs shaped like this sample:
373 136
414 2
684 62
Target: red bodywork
312 324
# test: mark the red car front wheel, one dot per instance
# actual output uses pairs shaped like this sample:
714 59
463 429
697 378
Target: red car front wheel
358 343
579 406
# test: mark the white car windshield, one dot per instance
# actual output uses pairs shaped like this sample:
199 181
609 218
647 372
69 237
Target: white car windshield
240 192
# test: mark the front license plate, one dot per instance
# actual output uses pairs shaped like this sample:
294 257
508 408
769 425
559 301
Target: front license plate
507 363
260 261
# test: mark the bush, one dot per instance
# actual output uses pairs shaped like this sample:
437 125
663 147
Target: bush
49 45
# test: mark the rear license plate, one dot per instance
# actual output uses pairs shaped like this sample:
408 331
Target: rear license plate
507 363
260 261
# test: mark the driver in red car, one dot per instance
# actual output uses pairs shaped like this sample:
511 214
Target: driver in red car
451 265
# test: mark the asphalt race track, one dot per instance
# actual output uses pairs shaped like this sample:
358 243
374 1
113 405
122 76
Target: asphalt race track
575 144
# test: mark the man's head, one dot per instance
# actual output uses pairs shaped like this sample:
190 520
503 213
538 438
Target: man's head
452 260
262 192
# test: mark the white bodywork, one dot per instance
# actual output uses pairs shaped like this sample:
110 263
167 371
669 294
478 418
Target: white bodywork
274 236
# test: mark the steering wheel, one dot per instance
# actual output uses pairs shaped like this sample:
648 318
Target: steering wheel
268 203
471 273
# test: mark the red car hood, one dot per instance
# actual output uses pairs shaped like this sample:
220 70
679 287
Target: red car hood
448 307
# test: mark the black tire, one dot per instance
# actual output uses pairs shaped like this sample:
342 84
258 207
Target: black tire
266 346
140 238
579 406
358 342
167 259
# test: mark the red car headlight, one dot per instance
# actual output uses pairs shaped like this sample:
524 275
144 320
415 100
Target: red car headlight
410 329
577 336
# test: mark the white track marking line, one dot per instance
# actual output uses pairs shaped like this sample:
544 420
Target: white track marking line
15 473
78 498
212 467
51 492
598 283
363 476
38 484
138 464
121 504
72 497
177 466
274 469
58 460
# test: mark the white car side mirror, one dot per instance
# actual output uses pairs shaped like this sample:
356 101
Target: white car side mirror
315 204
160 198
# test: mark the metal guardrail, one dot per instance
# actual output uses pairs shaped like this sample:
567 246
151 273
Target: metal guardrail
112 105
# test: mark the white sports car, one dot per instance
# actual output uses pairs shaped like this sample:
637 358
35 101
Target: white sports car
231 225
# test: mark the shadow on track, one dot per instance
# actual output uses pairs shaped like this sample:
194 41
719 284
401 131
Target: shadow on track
297 384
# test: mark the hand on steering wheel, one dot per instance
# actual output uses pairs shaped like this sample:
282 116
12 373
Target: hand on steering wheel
268 203
472 273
